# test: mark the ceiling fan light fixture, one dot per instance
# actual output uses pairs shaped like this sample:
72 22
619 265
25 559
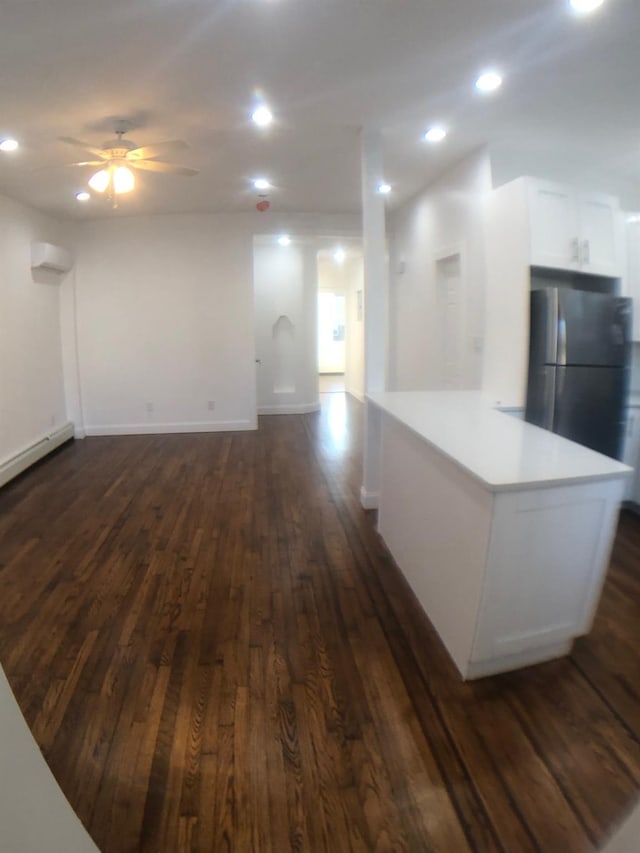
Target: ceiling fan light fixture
100 181
123 180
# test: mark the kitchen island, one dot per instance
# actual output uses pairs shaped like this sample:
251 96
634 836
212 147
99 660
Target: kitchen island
502 529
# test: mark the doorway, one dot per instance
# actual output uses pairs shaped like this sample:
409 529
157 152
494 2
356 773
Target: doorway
331 340
340 320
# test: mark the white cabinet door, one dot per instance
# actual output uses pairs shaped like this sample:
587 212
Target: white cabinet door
553 226
598 233
547 553
574 231
632 454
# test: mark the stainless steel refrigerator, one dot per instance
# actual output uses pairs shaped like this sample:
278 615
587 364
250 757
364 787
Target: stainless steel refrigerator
579 364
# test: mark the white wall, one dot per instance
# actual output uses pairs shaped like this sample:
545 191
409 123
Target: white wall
165 322
32 402
285 281
165 317
447 217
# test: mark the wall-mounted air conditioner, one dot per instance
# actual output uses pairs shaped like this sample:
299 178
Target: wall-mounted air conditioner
46 256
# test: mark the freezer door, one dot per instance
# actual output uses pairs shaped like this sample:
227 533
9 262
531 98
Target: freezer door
543 343
593 328
543 329
590 407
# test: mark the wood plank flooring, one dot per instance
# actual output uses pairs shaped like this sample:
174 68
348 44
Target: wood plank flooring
215 653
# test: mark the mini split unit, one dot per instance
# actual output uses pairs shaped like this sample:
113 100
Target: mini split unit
46 256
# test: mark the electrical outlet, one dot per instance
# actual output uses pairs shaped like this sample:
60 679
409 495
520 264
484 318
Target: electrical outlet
211 404
149 407
53 420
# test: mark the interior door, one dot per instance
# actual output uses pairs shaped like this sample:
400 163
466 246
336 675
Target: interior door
450 321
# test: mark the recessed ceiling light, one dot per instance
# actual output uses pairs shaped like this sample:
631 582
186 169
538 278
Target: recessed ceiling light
284 240
339 256
489 81
633 218
9 145
384 189
584 7
83 196
435 134
261 184
262 116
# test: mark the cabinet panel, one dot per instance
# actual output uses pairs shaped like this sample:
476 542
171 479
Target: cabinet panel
574 231
542 561
598 222
554 226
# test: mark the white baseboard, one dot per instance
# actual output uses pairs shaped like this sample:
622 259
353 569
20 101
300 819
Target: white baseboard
355 394
289 409
369 500
161 429
18 463
506 663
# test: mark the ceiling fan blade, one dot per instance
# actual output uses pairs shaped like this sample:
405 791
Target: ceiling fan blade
159 166
98 152
49 166
160 149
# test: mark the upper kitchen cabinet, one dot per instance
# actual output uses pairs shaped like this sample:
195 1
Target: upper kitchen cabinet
572 230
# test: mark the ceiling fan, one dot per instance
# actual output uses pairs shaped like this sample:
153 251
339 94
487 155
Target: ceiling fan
118 157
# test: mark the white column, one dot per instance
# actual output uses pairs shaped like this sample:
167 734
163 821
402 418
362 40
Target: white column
376 298
70 359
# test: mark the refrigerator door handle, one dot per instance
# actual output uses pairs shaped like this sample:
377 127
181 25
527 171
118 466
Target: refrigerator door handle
562 335
551 303
549 397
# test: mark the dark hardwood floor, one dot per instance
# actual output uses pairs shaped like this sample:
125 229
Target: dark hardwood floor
215 652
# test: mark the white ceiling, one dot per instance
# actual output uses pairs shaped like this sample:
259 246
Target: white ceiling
191 69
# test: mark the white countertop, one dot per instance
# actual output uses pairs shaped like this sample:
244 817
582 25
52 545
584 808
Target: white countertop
498 449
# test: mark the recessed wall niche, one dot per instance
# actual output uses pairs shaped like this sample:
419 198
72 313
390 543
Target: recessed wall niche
283 356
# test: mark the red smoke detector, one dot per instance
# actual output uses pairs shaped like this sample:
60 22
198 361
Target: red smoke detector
263 205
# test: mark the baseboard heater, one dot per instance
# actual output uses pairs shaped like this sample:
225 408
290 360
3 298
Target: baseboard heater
23 460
